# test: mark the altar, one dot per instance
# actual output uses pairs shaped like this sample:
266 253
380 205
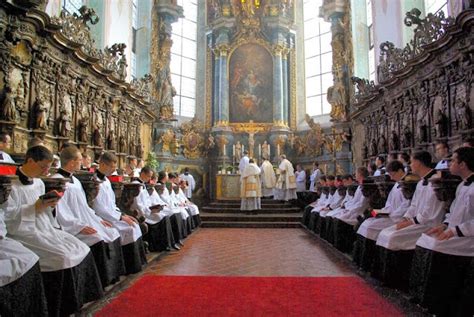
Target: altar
227 186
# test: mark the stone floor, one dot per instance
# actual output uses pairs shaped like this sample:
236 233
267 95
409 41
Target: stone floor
252 252
255 252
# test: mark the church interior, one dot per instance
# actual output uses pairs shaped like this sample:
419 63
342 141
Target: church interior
236 157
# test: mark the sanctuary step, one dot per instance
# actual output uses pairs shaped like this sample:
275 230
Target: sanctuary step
227 214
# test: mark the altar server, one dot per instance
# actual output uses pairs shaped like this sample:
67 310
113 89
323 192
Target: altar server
5 142
314 177
399 241
69 273
191 183
442 272
105 206
300 175
268 178
159 236
250 189
21 286
285 188
393 211
77 218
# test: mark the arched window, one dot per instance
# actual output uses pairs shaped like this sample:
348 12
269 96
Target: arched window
370 29
318 59
183 60
434 6
72 6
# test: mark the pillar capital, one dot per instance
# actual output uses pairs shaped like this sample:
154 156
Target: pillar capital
333 8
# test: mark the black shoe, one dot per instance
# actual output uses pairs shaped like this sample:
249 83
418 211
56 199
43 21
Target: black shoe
180 243
176 247
168 249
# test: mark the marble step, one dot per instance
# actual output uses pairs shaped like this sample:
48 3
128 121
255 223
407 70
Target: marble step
243 217
249 224
236 209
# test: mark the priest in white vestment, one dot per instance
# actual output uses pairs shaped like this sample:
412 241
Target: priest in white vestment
190 182
105 207
285 188
251 187
76 217
424 212
268 178
67 264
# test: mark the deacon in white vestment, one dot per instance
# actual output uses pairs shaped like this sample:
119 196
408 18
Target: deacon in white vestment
424 212
250 188
268 178
285 188
29 220
300 175
244 161
191 183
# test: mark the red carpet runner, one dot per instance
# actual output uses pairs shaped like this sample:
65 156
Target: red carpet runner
249 296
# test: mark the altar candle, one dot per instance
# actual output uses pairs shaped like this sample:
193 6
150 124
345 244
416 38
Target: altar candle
233 150
269 147
278 149
243 149
224 150
259 151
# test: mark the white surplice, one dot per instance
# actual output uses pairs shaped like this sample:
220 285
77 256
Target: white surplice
15 259
74 214
191 184
460 219
354 208
339 210
396 206
142 203
56 249
171 201
244 161
300 181
428 212
314 178
104 205
5 157
193 208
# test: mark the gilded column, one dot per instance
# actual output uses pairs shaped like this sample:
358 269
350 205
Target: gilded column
216 110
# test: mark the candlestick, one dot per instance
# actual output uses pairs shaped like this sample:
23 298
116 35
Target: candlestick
259 151
278 149
224 154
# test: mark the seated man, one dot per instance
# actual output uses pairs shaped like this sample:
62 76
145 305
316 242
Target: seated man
169 198
323 196
69 273
159 236
5 142
392 213
443 266
106 208
343 222
334 201
21 286
77 218
189 204
398 241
